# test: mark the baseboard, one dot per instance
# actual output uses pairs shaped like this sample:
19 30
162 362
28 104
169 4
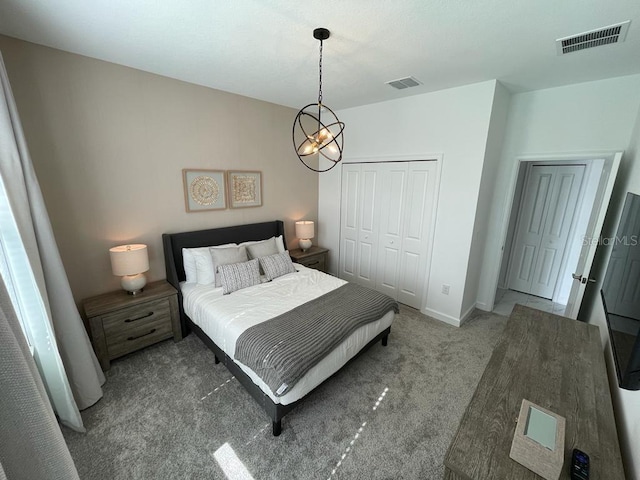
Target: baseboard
465 316
443 317
483 306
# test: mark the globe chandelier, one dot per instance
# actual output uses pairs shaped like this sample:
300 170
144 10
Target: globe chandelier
317 132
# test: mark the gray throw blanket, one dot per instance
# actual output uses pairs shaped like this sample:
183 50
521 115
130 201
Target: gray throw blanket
282 350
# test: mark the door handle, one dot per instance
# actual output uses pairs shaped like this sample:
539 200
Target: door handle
582 279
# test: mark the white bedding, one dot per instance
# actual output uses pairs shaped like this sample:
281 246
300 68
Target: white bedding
224 317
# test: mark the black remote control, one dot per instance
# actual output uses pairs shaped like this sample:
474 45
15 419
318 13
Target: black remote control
579 465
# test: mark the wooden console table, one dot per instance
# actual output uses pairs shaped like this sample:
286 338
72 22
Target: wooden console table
557 363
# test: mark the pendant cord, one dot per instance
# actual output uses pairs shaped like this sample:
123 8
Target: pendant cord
320 70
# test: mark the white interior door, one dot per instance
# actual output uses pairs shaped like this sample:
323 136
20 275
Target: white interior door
544 222
393 183
585 261
418 213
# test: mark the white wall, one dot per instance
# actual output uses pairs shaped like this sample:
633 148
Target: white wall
586 117
495 140
454 123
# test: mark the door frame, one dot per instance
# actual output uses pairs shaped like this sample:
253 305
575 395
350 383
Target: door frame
608 156
416 157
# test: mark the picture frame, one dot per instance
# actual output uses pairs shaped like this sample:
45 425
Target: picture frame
204 190
245 188
538 440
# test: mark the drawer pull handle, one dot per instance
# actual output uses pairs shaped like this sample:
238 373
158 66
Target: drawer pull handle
143 335
314 264
129 320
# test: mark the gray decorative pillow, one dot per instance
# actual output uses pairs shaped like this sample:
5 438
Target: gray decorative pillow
275 266
239 275
263 249
226 256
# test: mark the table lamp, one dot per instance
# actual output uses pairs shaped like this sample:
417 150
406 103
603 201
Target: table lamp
129 262
304 232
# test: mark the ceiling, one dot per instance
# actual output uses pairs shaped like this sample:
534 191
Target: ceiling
265 49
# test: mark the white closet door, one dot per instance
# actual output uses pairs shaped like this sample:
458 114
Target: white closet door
349 222
393 183
386 218
418 210
367 248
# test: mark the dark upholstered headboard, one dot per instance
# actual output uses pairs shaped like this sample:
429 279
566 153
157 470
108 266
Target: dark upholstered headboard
174 243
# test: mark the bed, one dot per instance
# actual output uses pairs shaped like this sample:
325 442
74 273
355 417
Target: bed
204 311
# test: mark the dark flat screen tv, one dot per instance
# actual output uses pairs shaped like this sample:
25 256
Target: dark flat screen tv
621 295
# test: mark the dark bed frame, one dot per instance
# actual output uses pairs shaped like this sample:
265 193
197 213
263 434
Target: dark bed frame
174 243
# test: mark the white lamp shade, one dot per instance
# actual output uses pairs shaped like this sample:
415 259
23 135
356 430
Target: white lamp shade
129 259
304 229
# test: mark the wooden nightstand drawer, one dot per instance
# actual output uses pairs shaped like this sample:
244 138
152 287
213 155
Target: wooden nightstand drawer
316 262
139 337
130 319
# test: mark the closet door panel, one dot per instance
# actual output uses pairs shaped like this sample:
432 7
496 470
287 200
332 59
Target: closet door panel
349 212
418 212
368 206
392 186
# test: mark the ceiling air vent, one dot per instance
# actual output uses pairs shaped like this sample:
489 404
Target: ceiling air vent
403 83
593 38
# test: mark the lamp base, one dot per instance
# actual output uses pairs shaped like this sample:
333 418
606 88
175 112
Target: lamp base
305 244
134 284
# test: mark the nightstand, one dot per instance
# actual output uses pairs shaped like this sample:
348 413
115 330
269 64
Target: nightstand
122 323
314 257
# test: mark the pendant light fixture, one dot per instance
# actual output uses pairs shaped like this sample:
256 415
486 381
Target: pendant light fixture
317 132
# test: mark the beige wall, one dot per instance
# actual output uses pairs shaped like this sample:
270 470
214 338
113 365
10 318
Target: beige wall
109 144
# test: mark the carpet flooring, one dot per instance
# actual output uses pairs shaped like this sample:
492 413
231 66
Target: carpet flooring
169 413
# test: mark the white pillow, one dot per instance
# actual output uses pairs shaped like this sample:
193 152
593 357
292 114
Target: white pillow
226 256
189 263
204 267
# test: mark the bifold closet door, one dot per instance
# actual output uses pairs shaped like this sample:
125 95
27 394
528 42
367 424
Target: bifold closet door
359 224
386 217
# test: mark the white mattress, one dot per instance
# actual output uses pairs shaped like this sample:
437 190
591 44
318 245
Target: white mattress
224 317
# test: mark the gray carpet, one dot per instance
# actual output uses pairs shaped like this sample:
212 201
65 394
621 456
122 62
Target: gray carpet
389 414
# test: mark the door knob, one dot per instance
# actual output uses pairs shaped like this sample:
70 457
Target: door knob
582 279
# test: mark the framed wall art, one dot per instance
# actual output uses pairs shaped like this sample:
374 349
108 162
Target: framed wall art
204 190
245 189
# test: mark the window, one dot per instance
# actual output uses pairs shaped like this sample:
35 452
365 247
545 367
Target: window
17 273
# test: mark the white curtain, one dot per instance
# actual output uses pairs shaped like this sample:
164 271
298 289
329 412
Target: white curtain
69 368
